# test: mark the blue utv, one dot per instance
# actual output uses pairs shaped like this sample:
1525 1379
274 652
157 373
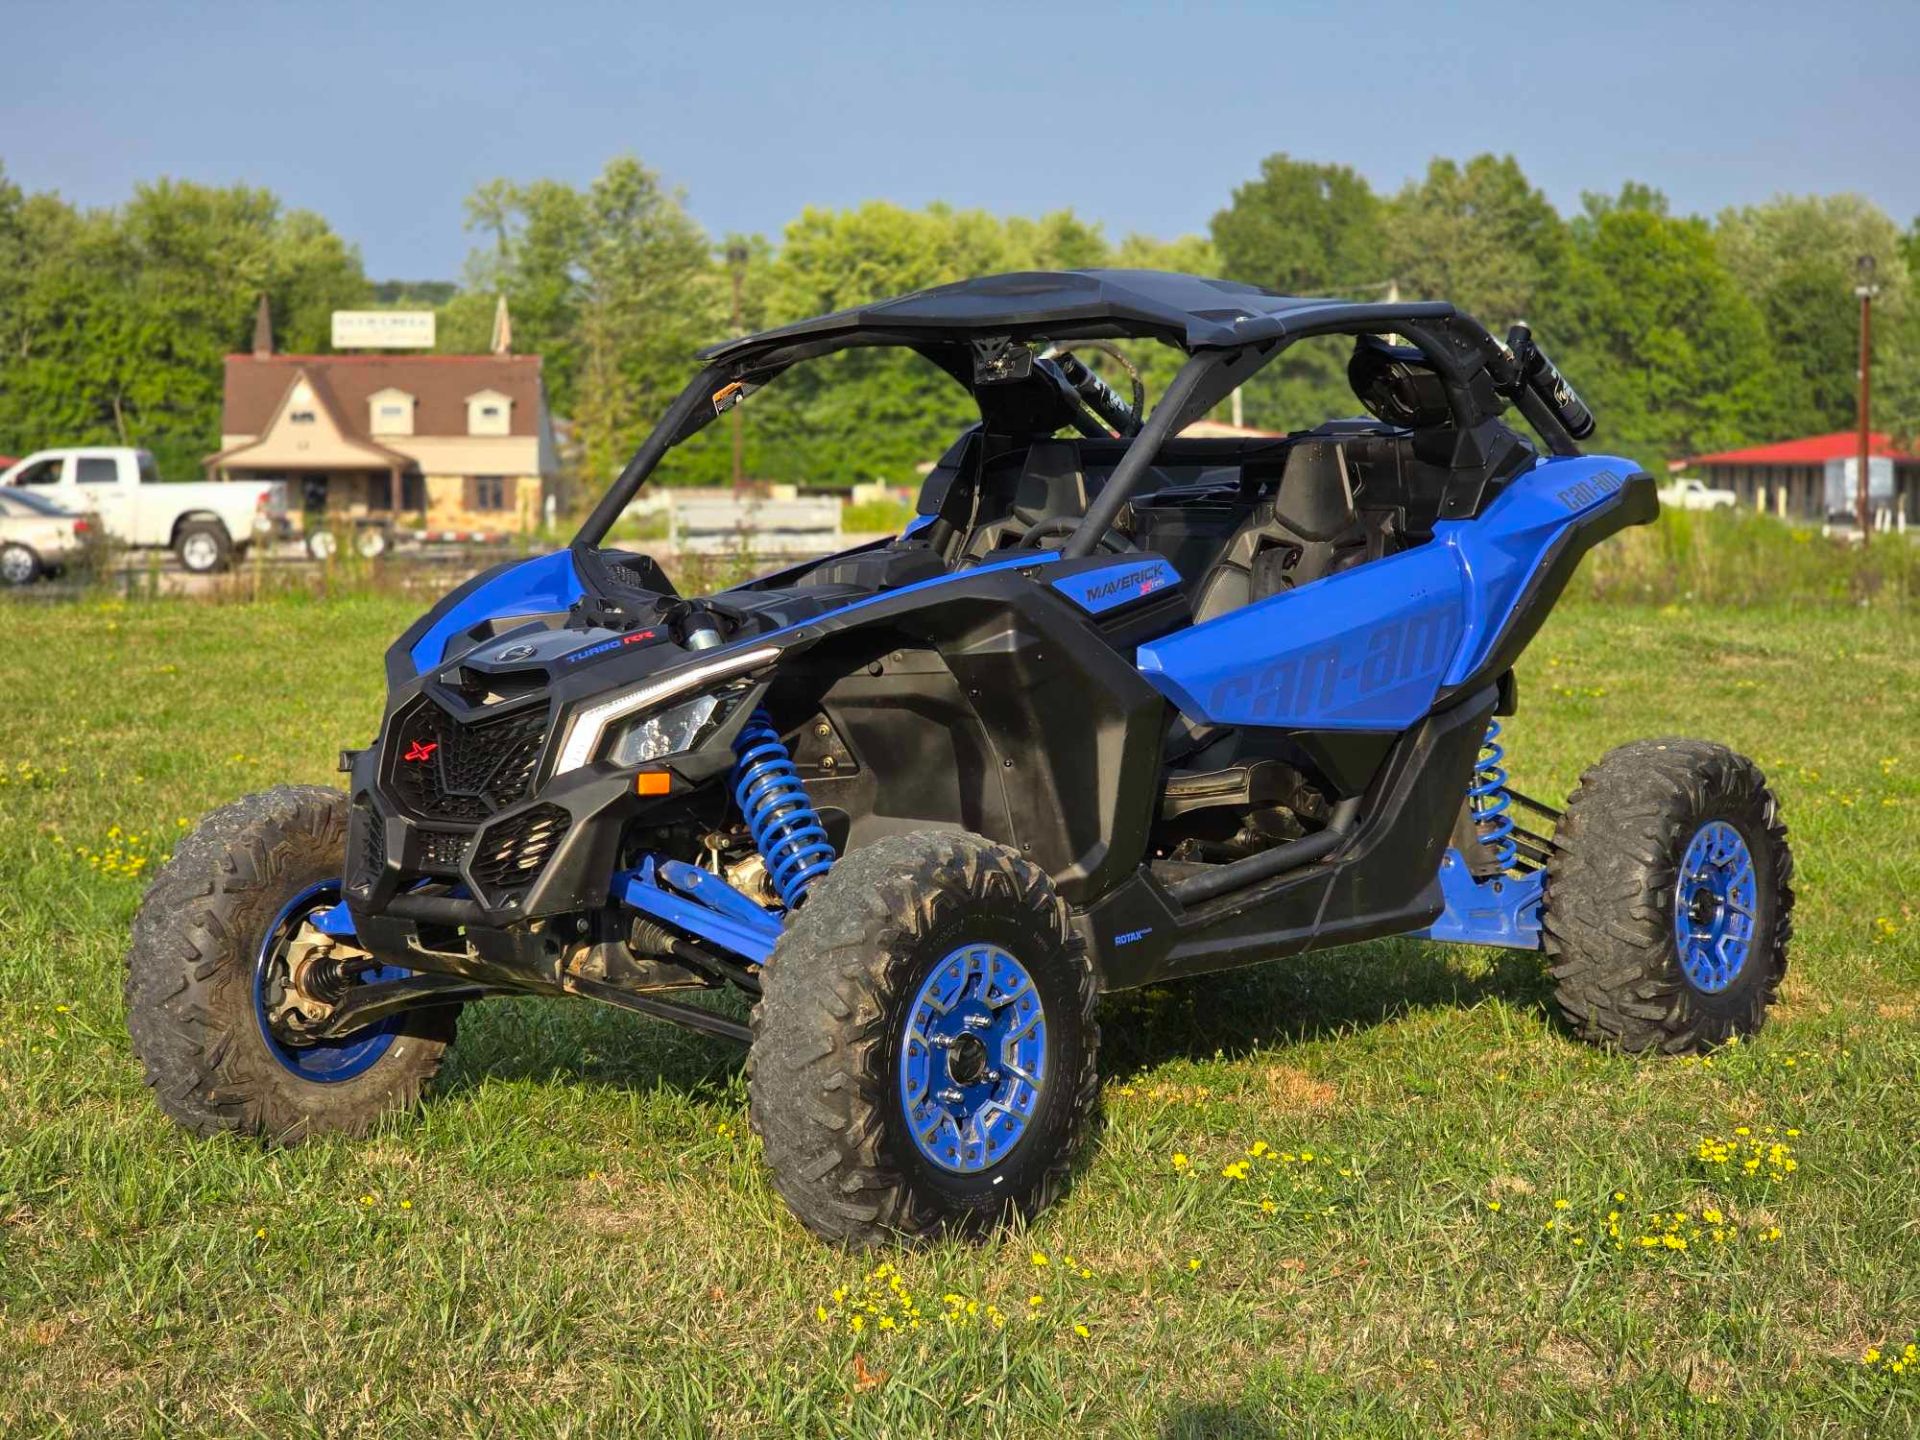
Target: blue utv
1119 705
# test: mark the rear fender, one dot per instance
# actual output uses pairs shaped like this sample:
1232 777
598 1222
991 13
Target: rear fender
1377 647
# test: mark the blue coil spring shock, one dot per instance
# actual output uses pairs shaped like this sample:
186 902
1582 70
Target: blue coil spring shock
1488 799
781 818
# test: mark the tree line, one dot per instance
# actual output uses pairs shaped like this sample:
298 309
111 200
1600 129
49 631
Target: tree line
1687 334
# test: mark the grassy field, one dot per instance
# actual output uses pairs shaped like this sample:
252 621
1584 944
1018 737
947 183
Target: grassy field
1374 1191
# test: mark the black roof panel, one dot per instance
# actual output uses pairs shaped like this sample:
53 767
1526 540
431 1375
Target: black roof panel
1186 310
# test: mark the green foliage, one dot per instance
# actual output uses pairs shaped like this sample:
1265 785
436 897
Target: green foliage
1653 329
114 322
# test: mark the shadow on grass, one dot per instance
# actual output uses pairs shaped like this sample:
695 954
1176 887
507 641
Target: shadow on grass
544 1040
1307 997
1282 1002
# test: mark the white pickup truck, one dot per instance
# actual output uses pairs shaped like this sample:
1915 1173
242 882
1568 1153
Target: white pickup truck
1697 495
204 522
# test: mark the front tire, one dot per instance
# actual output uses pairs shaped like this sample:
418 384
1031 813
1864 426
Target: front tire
202 963
924 1046
18 565
1669 899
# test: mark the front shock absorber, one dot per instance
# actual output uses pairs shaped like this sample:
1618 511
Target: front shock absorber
781 818
1487 798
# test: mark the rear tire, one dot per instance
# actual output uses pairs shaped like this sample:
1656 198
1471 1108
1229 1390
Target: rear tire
192 1011
841 1038
203 547
1669 899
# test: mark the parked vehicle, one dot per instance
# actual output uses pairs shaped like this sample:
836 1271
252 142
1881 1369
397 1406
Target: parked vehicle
37 537
204 522
1697 495
1112 709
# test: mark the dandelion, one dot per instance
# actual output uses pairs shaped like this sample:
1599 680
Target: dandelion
1258 1149
1493 1205
1194 1263
1082 1331
1268 1207
406 1204
1038 1259
1562 1204
1033 1300
1179 1160
1236 1171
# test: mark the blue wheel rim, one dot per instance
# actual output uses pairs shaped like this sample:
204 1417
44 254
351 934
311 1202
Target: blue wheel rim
324 1062
1713 907
973 1057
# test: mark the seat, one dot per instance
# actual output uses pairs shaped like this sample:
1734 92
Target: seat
1307 529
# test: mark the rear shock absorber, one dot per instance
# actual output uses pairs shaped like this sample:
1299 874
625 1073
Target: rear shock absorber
1487 798
781 818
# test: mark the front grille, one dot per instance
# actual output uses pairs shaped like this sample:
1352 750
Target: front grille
442 850
444 770
511 854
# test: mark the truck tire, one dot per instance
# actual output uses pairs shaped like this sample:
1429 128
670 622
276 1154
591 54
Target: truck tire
924 1046
203 547
1669 898
18 565
202 966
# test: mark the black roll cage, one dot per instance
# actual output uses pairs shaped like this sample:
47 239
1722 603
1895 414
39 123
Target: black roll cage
1457 347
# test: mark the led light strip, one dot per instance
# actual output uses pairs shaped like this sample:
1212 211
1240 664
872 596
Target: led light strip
585 730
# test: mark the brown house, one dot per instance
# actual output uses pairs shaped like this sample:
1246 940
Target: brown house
457 442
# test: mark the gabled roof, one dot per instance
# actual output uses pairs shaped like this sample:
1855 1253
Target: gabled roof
354 438
1808 450
439 384
1188 310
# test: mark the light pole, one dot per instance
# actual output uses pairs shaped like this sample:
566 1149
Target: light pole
1866 290
737 263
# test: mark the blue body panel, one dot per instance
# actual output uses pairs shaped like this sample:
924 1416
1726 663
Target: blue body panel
1111 586
541 585
1504 911
1371 648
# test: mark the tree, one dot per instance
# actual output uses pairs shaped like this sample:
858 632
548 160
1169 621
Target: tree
1477 234
1303 229
1796 256
1653 329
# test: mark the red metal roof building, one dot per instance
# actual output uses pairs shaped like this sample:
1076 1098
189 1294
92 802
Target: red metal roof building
1814 474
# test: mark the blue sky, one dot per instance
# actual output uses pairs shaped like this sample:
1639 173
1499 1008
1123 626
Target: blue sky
383 117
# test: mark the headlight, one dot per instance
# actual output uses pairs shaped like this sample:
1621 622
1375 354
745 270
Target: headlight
588 725
666 733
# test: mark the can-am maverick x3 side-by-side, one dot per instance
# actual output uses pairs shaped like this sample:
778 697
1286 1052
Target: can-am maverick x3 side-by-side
1119 705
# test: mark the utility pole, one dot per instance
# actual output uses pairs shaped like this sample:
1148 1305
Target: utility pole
1866 290
737 263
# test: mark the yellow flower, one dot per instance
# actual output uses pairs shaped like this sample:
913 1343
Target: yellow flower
1236 1171
1034 1300
260 1234
820 1313
1179 1160
1082 1331
1257 1149
1493 1204
1562 1204
1268 1206
1038 1258
857 1323
1194 1264
406 1204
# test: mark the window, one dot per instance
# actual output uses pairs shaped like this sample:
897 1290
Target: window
489 413
489 492
149 472
47 472
96 470
392 412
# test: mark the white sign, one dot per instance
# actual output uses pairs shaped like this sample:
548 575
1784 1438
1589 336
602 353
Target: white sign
383 329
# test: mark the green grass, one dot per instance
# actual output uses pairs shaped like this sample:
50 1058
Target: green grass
575 1236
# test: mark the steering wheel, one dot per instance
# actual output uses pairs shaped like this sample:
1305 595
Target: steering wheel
1113 542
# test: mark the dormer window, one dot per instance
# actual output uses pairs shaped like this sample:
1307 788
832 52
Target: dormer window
390 413
489 413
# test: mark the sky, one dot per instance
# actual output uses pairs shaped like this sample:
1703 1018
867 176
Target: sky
383 117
